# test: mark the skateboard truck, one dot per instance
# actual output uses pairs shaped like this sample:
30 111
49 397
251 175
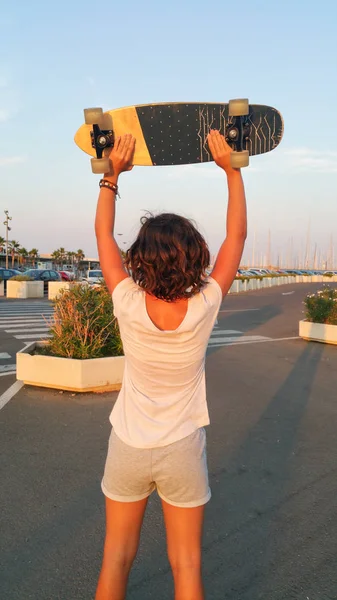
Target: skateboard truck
237 132
100 139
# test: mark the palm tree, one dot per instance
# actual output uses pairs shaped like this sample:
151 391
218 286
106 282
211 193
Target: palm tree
79 255
14 247
60 256
56 257
70 257
2 244
33 254
63 255
22 255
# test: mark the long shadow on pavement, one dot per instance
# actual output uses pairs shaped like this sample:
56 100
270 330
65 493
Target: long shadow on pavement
246 555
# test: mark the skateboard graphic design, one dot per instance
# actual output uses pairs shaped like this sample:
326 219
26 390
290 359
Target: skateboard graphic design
176 133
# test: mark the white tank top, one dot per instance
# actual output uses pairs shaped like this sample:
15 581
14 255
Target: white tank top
163 393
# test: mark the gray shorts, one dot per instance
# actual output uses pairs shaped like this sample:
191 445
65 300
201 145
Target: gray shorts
178 471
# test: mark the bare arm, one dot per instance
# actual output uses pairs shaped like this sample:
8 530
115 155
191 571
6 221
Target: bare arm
230 253
109 254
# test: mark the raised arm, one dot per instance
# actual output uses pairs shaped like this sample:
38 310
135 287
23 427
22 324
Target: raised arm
230 253
109 254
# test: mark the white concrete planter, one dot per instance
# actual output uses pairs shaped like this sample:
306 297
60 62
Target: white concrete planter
2 288
318 332
92 375
55 287
24 289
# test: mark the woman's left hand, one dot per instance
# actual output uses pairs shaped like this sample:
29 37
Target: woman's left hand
121 155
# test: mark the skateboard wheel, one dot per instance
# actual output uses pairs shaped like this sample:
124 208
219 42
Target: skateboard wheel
238 108
93 115
100 165
240 159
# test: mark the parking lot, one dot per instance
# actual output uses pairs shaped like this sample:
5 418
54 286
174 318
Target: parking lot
270 527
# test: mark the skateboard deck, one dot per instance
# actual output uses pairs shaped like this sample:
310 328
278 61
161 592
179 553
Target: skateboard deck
175 133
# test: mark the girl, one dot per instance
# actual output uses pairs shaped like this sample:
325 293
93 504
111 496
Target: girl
166 312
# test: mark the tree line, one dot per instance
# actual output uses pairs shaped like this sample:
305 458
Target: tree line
22 255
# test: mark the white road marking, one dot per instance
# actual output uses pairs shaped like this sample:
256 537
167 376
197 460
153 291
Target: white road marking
250 341
27 321
5 368
16 317
38 329
22 323
7 373
238 310
8 394
230 340
4 355
225 332
287 293
32 336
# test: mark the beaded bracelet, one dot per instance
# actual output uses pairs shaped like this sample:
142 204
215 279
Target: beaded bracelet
111 186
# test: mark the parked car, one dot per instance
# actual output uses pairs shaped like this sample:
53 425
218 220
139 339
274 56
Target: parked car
67 275
93 276
6 274
43 275
243 273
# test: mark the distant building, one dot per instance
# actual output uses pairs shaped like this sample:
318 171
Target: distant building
45 261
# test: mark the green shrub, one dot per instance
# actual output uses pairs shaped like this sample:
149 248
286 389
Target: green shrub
328 275
21 278
322 306
83 325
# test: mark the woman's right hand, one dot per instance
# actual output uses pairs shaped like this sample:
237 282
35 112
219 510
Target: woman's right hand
220 151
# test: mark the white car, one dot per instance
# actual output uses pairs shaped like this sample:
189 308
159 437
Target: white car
93 277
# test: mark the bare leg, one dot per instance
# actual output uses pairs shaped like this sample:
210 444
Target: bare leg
184 534
123 525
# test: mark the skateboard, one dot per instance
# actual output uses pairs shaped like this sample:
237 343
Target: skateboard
176 133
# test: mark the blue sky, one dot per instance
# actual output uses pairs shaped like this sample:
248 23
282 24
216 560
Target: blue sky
58 58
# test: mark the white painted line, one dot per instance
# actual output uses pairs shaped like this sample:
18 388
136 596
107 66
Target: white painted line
8 373
225 332
24 323
244 338
16 316
287 293
31 336
8 394
239 310
5 368
237 343
28 329
4 355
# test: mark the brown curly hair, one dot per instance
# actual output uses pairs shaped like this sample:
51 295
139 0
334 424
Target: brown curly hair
169 258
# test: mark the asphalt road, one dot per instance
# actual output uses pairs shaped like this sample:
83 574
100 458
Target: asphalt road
270 527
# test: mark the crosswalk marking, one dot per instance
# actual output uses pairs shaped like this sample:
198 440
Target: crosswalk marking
34 336
30 322
7 368
225 332
27 321
4 324
227 337
38 329
238 338
27 315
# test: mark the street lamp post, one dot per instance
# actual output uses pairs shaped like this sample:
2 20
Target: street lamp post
8 218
